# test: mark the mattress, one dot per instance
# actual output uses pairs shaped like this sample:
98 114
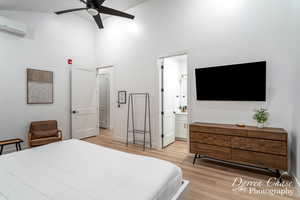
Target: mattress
77 170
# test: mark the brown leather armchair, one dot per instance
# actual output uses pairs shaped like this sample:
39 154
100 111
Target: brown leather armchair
44 132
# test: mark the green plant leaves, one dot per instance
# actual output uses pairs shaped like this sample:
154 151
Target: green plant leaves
261 115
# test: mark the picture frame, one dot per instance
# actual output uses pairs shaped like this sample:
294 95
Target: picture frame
39 86
122 97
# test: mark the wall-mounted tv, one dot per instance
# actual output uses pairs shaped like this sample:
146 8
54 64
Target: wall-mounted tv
240 82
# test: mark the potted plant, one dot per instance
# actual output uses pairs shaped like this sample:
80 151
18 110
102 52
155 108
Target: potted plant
261 116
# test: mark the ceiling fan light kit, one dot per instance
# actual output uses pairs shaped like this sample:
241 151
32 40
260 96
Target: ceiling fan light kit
95 8
93 11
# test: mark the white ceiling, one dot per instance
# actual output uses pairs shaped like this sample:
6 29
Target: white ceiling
56 5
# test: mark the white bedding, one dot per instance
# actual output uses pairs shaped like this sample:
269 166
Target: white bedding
77 170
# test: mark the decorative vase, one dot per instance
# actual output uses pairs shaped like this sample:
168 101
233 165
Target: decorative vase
260 125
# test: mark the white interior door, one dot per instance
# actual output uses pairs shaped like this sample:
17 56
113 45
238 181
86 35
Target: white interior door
84 103
104 100
169 103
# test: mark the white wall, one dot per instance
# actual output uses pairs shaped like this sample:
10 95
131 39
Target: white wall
212 32
50 42
295 136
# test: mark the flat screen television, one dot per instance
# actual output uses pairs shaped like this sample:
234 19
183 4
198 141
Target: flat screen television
240 82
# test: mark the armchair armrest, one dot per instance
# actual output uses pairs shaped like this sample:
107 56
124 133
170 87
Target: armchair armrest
59 134
29 139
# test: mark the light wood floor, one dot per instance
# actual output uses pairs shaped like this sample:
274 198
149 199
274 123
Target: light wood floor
209 180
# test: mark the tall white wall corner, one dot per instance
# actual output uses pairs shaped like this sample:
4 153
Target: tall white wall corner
12 26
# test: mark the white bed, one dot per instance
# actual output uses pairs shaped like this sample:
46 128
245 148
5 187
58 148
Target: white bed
77 170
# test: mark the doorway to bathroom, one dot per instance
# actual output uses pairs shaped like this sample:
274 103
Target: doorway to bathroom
174 99
106 99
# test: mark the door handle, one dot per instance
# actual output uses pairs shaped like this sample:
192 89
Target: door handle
74 111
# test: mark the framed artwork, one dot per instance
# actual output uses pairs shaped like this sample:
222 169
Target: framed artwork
39 87
122 97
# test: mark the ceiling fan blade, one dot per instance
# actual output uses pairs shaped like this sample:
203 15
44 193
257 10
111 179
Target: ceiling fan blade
70 10
98 3
110 11
98 21
83 1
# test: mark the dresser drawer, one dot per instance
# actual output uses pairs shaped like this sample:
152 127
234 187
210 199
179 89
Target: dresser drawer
259 159
219 130
222 153
268 135
259 145
213 139
202 129
225 131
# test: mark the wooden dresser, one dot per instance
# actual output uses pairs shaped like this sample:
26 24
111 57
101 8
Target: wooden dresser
265 148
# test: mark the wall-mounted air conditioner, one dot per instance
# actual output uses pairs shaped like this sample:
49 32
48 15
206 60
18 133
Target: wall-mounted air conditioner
12 26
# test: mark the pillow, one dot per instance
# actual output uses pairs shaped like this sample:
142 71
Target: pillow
44 134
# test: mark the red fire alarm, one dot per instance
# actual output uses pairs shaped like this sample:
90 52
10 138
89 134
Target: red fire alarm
70 61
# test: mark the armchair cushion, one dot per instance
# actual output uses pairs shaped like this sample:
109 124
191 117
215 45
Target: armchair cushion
44 141
44 134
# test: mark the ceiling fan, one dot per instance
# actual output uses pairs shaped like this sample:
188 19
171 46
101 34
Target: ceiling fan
95 8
